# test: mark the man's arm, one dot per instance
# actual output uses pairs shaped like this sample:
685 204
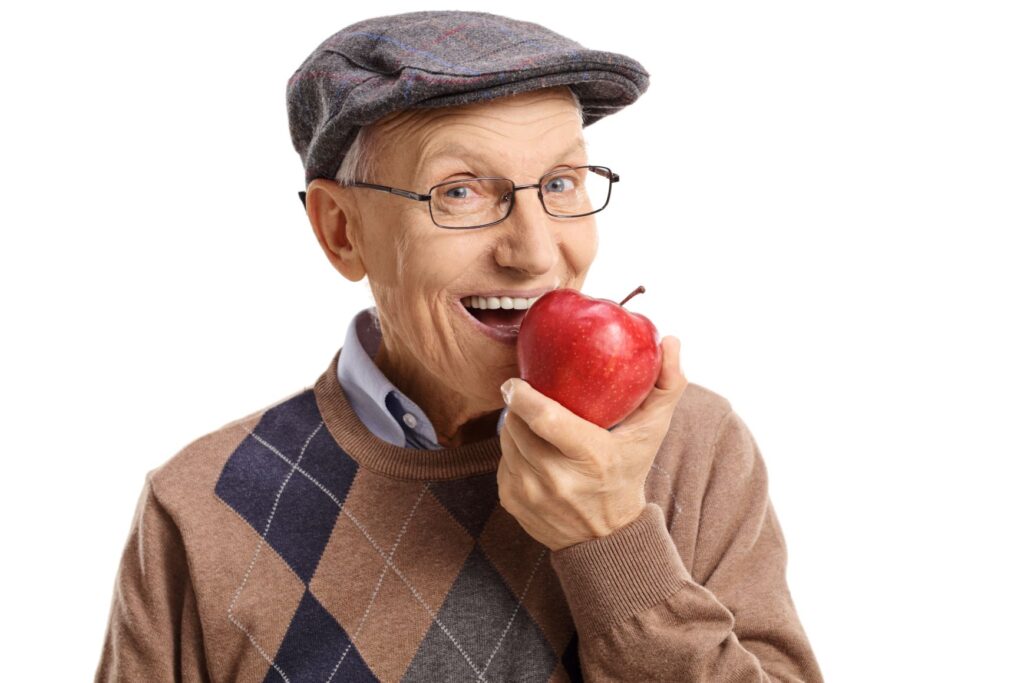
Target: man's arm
153 633
641 615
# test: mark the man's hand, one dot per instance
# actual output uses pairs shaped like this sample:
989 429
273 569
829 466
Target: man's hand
567 480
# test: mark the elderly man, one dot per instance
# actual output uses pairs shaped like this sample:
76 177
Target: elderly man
420 513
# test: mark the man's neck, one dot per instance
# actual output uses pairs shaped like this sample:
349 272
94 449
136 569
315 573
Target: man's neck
455 421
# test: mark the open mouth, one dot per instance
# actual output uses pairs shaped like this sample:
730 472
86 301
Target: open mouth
500 317
503 313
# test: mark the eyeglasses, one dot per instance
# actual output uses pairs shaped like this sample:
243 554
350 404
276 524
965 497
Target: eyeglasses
479 202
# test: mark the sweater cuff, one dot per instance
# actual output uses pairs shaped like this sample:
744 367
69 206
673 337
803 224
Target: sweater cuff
611 578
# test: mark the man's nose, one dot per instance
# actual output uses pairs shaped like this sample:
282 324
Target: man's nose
528 241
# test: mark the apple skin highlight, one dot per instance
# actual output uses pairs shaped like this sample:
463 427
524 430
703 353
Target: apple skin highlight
593 356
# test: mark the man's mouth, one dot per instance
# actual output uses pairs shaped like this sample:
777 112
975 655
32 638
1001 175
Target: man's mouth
500 312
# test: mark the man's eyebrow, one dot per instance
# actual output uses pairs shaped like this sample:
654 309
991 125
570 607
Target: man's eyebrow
455 150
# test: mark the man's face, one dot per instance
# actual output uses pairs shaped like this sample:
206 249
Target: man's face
420 273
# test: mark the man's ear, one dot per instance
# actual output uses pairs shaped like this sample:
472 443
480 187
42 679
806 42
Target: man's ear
335 221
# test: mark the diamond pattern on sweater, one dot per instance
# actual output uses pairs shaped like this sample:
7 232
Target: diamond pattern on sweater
275 481
384 577
261 616
304 521
471 500
513 553
312 649
406 595
306 509
494 632
250 481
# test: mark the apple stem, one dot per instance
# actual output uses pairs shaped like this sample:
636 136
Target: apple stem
638 290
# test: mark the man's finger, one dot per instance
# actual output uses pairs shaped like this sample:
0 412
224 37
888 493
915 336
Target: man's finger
529 447
549 419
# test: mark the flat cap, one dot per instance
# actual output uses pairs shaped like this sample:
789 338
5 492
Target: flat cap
429 59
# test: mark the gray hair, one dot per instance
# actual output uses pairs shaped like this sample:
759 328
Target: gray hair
361 161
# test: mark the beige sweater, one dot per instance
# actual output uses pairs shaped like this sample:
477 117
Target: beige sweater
294 545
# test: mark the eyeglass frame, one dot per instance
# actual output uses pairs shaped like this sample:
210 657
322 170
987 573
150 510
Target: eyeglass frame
416 196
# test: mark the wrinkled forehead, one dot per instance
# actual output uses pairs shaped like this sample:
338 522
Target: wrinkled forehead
504 136
451 154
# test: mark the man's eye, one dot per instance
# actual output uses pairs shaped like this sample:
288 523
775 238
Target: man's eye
457 192
560 184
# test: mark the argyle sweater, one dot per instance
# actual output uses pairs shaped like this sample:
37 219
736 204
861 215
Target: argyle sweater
295 545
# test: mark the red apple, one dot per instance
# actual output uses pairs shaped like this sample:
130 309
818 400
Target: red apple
591 355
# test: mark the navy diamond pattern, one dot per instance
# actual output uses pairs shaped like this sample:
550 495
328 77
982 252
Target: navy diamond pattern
313 647
293 433
302 525
250 481
305 513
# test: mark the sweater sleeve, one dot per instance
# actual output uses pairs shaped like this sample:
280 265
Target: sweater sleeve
641 615
153 632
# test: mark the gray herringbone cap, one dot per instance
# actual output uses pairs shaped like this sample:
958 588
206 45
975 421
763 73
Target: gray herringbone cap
438 59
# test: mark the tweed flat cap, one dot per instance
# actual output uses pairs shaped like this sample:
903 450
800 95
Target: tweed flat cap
437 59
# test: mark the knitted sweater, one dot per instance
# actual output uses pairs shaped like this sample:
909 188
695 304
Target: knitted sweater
294 545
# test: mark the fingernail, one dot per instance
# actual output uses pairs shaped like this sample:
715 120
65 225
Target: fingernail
506 391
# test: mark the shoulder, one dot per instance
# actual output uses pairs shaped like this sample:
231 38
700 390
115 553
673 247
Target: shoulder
703 421
699 415
185 484
706 442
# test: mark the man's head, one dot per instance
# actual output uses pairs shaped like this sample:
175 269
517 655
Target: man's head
420 273
385 101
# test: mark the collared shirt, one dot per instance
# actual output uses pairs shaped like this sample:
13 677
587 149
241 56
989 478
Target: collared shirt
383 408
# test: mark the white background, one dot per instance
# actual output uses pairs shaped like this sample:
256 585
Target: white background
824 201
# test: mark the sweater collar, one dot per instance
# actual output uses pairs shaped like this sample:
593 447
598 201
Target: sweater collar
385 458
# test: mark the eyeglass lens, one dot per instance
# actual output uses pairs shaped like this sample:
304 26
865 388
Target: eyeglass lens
479 201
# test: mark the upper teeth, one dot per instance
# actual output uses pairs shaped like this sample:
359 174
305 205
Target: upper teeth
507 302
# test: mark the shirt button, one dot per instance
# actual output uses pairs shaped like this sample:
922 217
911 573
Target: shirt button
410 420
